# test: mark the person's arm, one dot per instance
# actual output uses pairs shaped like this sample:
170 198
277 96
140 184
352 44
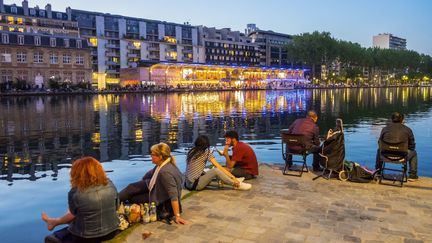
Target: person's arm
316 140
176 209
411 140
170 185
229 163
226 172
53 222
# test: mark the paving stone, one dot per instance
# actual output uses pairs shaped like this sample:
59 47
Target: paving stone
296 209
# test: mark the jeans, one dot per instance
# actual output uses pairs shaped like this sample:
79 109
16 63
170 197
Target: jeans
137 192
412 159
238 171
205 179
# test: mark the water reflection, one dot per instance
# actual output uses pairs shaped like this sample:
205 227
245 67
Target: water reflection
40 135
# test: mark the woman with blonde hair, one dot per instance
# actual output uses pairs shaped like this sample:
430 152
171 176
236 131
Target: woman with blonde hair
162 185
92 203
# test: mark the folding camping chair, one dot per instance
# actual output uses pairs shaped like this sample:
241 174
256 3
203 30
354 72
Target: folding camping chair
293 145
393 153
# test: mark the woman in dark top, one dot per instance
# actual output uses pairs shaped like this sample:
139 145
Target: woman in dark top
93 202
162 184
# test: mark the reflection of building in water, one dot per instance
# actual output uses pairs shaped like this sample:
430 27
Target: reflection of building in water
38 133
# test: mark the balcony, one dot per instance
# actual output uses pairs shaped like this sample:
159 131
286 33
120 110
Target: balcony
111 63
132 55
111 54
109 45
112 71
152 48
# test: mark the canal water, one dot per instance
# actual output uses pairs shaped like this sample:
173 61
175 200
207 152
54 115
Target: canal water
41 136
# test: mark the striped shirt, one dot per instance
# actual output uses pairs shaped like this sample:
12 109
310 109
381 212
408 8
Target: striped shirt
195 167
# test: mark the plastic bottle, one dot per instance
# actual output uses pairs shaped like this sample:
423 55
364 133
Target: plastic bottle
146 217
153 216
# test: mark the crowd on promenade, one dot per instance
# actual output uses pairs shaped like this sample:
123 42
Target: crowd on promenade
182 88
93 200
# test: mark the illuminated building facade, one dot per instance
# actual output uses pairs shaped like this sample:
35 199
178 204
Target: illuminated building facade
39 44
272 46
123 42
226 47
186 75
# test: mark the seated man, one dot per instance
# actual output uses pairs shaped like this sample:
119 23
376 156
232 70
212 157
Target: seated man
397 132
308 128
243 162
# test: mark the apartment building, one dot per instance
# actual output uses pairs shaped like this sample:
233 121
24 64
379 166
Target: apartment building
125 42
40 44
389 41
226 47
271 46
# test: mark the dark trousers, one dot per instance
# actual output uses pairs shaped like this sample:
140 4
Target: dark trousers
315 150
238 171
412 160
137 192
64 236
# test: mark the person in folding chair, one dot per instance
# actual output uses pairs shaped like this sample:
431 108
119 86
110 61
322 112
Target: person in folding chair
308 128
397 132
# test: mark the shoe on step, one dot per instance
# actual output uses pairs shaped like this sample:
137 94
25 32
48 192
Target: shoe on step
240 179
412 178
244 186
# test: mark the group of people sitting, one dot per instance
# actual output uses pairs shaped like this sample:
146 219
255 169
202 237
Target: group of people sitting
395 132
93 199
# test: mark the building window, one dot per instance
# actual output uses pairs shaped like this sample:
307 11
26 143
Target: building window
78 44
67 76
42 13
53 58
80 76
37 40
21 57
52 42
59 15
38 57
66 42
22 75
67 58
6 76
32 12
5 38
20 40
5 56
79 59
14 10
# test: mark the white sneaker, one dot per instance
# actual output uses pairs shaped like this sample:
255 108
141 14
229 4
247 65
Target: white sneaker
244 186
240 179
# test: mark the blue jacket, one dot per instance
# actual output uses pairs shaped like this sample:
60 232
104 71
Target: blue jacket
94 210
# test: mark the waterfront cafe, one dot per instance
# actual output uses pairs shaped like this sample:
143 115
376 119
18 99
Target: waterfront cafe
195 75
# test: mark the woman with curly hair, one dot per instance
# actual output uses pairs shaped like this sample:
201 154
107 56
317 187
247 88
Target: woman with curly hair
162 185
92 203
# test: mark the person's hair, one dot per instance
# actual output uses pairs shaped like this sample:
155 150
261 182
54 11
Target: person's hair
162 149
397 117
202 143
313 115
87 172
232 134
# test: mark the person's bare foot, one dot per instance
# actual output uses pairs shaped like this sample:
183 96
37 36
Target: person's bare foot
49 221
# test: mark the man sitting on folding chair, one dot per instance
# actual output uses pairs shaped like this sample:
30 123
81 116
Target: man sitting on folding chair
397 132
308 128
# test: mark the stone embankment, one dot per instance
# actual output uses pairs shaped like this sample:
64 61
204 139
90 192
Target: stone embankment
297 209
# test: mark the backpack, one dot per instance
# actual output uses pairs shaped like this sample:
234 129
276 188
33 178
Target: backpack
357 173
